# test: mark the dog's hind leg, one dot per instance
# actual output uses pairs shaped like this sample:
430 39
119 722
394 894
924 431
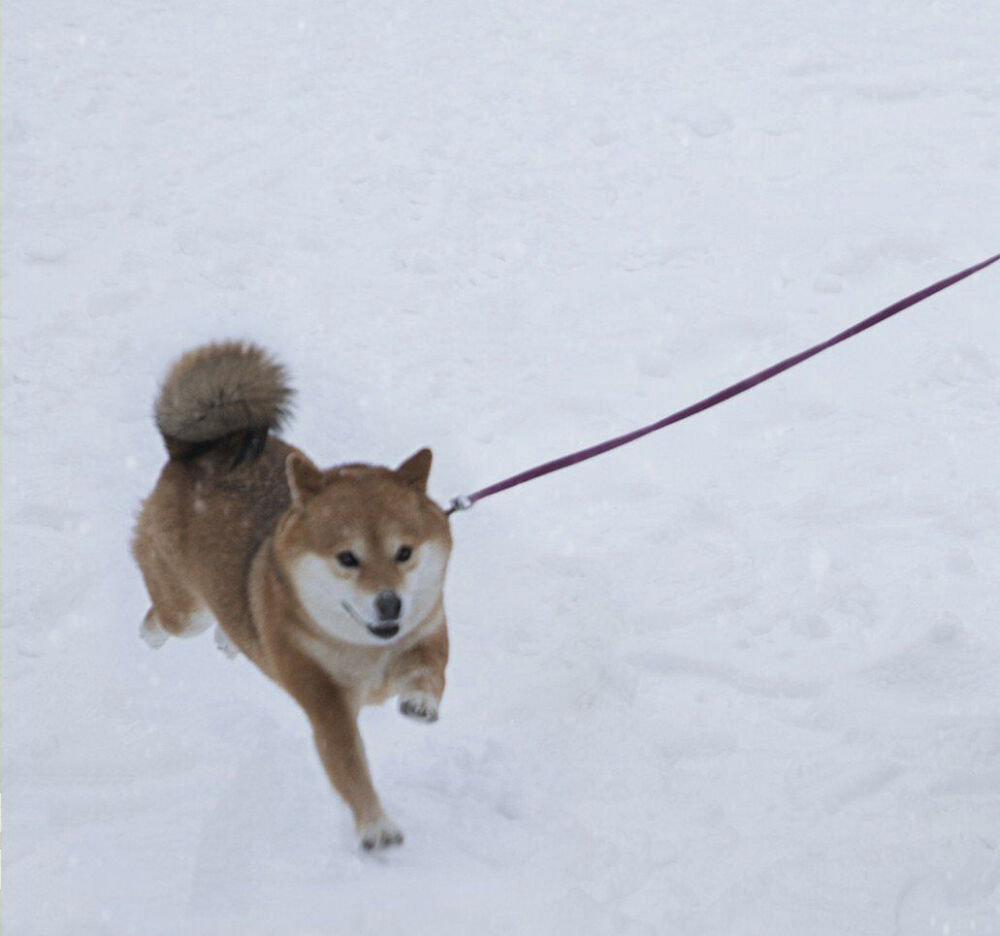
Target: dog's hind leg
175 611
152 631
225 643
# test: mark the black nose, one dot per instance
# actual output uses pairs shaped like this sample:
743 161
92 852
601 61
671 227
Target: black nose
388 605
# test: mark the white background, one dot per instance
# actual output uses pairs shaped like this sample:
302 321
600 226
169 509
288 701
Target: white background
739 678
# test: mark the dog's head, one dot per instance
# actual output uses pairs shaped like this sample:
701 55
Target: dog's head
365 547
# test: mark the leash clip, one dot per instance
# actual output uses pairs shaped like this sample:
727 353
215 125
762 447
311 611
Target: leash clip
459 503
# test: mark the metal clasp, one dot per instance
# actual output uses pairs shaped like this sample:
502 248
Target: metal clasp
458 503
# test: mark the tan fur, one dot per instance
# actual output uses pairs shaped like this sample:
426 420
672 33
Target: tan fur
228 539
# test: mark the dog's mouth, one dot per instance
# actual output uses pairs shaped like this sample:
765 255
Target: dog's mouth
384 630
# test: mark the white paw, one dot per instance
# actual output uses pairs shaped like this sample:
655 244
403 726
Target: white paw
152 631
419 705
382 833
223 642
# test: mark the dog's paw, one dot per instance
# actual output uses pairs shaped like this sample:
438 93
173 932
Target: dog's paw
152 631
382 833
419 705
223 642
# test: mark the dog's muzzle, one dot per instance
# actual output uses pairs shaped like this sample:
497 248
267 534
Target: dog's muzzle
385 629
388 607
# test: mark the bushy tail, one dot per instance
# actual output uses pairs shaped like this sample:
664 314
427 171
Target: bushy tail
232 391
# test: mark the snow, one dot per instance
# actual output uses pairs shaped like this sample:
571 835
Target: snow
738 678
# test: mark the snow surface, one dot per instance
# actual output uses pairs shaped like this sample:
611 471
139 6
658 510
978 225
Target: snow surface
739 678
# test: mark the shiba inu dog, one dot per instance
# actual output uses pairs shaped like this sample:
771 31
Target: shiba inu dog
330 581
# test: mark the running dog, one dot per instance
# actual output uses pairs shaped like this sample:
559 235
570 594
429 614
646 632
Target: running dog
330 581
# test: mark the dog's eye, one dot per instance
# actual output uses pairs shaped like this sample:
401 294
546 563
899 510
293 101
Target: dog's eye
403 553
348 560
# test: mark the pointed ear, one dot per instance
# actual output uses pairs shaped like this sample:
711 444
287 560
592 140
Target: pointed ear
415 470
304 478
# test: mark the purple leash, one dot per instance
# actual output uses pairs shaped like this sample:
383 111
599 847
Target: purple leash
465 502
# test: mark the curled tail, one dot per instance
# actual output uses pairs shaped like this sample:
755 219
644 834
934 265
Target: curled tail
231 392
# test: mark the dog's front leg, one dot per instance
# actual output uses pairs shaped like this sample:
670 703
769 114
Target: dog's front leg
418 677
343 754
338 741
